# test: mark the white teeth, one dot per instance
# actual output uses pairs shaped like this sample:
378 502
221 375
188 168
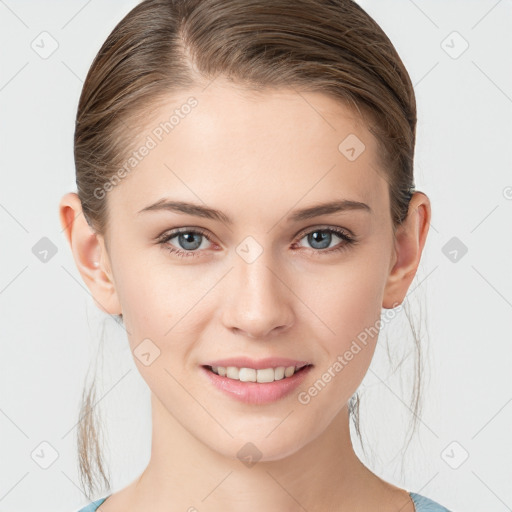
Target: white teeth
253 375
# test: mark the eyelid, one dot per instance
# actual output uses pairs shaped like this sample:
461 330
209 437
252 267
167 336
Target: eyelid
322 227
171 233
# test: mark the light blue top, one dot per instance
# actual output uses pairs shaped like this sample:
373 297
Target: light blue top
421 504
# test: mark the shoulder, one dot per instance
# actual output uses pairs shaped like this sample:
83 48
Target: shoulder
93 505
424 504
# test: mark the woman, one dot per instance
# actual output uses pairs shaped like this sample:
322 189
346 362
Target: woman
245 174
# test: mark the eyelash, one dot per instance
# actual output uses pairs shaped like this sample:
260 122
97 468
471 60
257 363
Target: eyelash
348 240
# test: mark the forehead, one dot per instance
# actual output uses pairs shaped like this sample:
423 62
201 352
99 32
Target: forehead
274 145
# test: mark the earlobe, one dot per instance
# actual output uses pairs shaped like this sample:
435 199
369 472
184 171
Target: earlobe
89 253
410 239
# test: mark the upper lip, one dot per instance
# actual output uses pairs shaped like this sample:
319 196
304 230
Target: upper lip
257 364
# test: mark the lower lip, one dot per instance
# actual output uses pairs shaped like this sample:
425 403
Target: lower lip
257 392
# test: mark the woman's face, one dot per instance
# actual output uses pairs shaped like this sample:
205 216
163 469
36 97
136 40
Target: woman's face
257 286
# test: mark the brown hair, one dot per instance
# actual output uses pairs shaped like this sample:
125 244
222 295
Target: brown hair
161 46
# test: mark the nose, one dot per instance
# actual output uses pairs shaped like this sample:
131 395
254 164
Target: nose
257 300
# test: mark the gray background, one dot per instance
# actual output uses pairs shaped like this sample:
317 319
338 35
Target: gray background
462 453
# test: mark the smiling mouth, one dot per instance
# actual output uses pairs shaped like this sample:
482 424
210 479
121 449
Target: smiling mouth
261 376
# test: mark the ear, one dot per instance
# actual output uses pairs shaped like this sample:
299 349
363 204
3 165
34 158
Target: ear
89 253
410 239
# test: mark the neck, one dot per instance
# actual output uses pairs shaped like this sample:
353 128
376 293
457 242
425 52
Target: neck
184 473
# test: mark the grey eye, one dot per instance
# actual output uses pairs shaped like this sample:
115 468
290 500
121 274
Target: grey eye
189 240
320 239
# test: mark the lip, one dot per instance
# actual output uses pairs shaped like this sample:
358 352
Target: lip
257 392
257 364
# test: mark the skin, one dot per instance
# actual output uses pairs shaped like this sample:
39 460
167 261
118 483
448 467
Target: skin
257 157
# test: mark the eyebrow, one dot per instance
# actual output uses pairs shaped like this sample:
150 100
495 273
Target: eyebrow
299 215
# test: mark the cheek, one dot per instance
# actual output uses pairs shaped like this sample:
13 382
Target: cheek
166 305
157 308
351 312
347 299
346 304
154 293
